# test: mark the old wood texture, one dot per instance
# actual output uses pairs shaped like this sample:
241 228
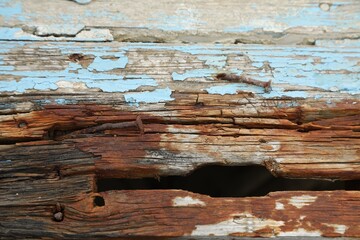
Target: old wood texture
228 21
79 103
189 116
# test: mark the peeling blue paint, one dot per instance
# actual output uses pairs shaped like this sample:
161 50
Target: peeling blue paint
196 73
99 64
47 80
156 96
314 67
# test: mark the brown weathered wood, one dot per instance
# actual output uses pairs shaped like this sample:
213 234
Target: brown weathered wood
173 147
171 213
72 114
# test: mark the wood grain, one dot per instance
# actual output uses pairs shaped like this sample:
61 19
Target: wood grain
307 126
173 213
230 21
190 118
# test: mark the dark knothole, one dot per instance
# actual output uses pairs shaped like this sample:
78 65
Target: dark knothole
99 201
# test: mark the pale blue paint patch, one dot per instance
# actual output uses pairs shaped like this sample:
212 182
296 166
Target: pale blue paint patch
16 86
236 71
11 9
156 96
15 33
46 80
6 68
196 73
218 61
99 64
313 16
243 28
61 101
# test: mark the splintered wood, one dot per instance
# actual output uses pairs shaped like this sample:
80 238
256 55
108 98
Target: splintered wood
78 106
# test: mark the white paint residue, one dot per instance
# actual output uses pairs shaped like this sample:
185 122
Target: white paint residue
242 223
301 201
187 201
300 232
338 228
71 86
279 206
275 146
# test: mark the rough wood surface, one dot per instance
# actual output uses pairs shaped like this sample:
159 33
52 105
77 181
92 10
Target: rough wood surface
171 213
73 113
230 21
188 116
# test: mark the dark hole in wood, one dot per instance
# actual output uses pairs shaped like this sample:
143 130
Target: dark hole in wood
99 201
22 124
224 181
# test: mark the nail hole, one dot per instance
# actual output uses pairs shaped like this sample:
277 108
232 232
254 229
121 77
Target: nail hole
58 217
99 201
199 104
262 140
22 124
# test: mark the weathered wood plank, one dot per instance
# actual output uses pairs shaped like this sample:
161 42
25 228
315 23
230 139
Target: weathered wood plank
189 117
171 213
72 113
274 22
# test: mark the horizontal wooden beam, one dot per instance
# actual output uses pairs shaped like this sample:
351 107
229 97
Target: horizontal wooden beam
172 213
305 125
230 21
74 113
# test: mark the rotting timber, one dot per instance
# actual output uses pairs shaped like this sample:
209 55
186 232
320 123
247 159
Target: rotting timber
97 92
169 121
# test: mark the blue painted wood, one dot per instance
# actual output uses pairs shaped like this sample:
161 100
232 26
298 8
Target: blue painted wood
149 71
270 21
